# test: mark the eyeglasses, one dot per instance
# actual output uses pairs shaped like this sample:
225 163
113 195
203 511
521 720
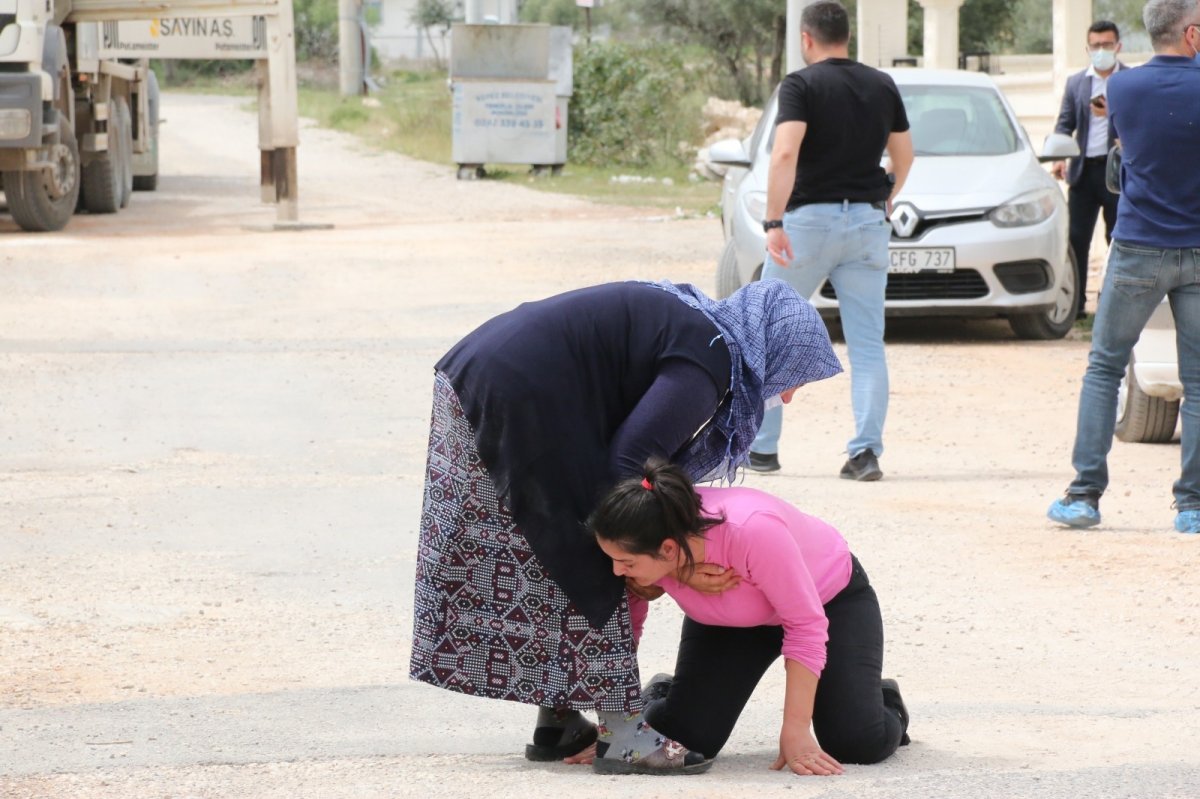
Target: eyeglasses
1110 46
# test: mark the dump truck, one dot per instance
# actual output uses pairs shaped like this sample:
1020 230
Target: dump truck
77 132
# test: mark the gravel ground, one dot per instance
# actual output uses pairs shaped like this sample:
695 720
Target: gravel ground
210 473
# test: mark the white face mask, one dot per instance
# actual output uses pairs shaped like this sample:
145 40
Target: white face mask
1104 60
770 403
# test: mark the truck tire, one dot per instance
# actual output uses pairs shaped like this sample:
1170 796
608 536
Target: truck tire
1056 322
1142 419
45 200
125 136
103 177
148 181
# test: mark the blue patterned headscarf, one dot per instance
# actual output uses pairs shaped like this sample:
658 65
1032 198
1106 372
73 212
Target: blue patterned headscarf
776 341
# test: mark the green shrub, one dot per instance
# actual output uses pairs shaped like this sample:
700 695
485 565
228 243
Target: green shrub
631 106
316 29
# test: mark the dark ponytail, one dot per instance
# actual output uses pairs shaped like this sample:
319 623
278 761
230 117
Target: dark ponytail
640 513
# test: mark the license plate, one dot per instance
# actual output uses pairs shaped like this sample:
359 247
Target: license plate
910 260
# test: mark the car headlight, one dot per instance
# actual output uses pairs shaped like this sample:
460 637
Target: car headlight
1025 209
756 204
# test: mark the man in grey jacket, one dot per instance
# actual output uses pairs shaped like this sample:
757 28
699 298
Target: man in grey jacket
1084 114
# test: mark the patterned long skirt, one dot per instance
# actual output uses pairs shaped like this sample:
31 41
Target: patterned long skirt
489 620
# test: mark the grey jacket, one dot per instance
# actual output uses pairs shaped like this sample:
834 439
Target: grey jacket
1075 117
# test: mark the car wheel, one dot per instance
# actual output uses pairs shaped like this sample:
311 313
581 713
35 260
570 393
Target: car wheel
1142 419
1055 322
728 280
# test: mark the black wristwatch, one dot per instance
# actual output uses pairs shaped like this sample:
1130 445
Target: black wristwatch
771 224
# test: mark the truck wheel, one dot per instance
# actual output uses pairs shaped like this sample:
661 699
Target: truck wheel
44 200
125 136
1141 418
103 176
147 162
1056 322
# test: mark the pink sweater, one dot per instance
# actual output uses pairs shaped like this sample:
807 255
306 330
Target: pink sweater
791 564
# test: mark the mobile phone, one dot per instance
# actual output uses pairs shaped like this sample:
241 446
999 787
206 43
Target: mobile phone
1098 101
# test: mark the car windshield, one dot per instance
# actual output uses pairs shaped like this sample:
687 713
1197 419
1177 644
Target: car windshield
958 120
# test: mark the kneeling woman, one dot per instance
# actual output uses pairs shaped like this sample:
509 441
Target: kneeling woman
802 595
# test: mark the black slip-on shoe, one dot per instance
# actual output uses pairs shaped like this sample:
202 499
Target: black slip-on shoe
657 687
763 463
892 699
555 743
863 467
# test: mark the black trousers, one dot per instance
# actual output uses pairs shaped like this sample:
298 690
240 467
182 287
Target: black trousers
718 668
1085 201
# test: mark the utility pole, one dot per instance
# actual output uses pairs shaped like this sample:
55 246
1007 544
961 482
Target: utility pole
350 50
586 5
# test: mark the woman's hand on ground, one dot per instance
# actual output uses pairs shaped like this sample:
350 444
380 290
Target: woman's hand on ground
709 578
800 752
583 758
646 592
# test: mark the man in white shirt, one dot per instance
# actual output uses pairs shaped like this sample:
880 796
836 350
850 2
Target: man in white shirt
1084 114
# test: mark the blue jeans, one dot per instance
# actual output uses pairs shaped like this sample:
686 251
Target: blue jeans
1138 277
848 244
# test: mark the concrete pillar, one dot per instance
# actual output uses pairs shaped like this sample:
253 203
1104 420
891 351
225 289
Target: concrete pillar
350 50
882 31
1071 21
795 60
941 33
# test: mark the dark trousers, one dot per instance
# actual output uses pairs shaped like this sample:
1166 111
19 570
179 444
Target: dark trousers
1085 200
718 668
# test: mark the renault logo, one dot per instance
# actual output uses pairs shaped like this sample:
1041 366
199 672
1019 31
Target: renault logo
904 220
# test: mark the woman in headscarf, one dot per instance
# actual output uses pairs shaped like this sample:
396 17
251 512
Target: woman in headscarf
536 414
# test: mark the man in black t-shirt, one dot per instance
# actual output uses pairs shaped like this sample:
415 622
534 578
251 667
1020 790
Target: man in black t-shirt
827 203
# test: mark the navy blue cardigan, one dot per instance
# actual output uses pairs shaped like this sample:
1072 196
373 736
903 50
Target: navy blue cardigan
568 394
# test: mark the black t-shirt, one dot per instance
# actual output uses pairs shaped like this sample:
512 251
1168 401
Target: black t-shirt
851 109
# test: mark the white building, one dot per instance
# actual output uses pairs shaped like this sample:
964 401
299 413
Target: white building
395 38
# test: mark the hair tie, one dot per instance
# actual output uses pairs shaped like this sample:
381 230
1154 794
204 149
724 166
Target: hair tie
646 484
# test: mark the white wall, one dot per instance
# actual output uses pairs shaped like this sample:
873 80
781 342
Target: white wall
395 38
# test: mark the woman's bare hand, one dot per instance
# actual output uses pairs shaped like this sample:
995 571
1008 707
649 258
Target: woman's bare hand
709 578
801 753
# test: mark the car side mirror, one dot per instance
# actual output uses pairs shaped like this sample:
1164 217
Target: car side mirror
1059 147
730 152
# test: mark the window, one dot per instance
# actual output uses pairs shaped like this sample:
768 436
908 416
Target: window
958 120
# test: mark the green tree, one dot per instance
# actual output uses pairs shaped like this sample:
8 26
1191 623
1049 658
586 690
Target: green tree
986 25
1033 29
745 38
430 14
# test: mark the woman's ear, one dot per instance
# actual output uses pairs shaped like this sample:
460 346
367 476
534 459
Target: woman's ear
668 550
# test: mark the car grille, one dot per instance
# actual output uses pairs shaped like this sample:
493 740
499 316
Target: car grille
961 284
926 225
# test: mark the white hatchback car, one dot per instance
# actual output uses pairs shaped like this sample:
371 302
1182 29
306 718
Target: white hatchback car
1149 396
980 228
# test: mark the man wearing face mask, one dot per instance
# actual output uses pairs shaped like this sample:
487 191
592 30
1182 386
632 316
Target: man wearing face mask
1084 114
